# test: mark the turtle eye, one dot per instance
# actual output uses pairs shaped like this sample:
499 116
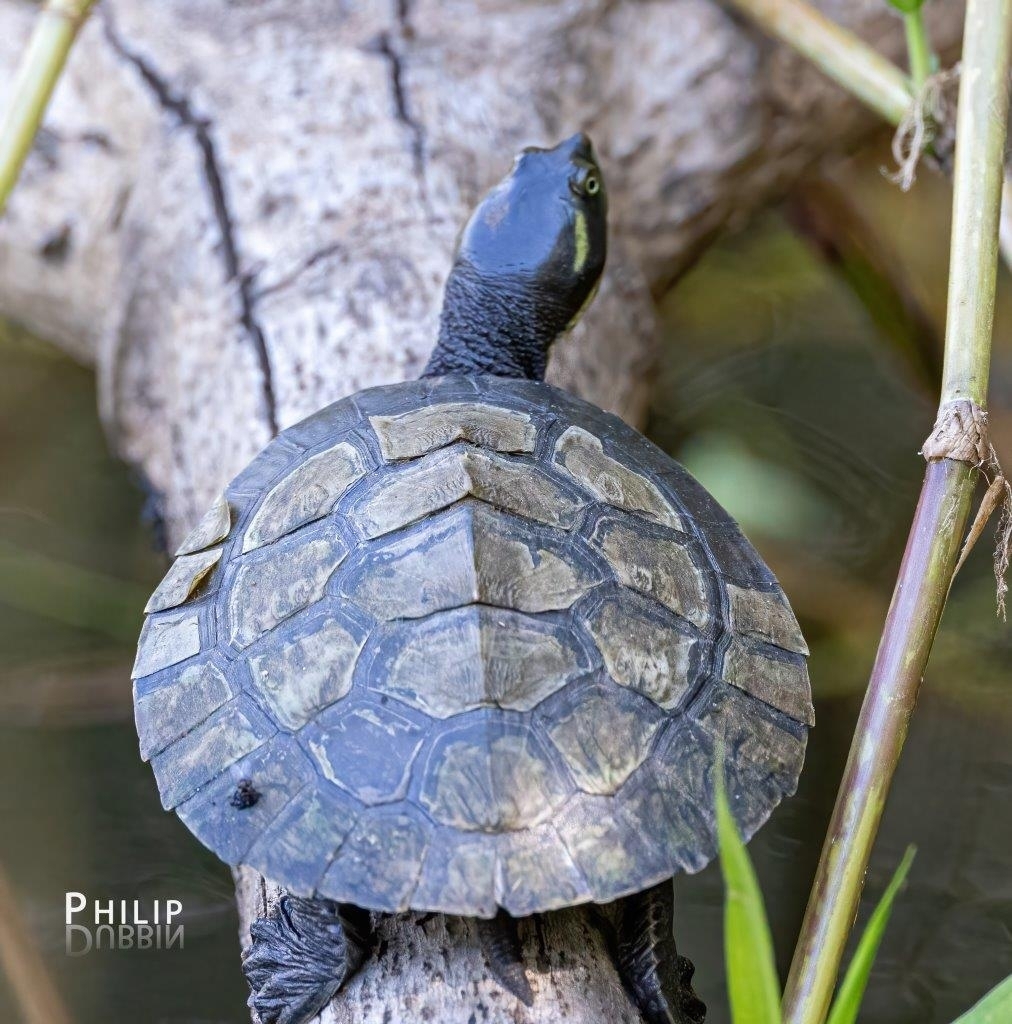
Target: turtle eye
585 182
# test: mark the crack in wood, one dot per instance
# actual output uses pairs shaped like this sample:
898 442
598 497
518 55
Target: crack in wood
390 49
179 105
310 261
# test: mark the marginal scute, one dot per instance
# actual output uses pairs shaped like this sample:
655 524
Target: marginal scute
738 724
203 753
670 809
610 854
582 456
167 638
366 750
444 477
378 864
308 493
185 575
721 738
474 657
267 466
658 566
306 673
491 781
781 682
301 841
165 714
325 424
423 430
387 400
212 529
534 872
277 773
765 615
642 653
602 741
271 587
457 876
737 561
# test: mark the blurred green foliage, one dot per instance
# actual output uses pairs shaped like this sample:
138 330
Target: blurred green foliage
850 995
994 1008
753 986
906 6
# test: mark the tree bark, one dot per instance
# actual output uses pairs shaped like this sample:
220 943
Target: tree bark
241 211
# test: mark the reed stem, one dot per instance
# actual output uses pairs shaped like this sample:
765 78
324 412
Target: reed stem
938 526
55 30
840 54
922 61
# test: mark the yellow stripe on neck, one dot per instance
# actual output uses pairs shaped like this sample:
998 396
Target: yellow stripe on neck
581 240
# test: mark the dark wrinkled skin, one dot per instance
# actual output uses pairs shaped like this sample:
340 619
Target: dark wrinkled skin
301 954
528 263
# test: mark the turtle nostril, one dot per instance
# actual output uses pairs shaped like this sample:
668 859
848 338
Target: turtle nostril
576 147
579 145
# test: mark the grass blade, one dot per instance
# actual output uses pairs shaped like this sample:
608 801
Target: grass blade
752 983
848 999
994 1008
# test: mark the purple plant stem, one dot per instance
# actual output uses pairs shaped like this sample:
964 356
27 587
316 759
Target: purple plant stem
914 613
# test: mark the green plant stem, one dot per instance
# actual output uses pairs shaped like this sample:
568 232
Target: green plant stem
847 1004
978 184
55 29
918 598
922 62
939 521
840 54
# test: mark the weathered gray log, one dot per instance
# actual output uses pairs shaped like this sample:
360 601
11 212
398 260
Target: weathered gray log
242 211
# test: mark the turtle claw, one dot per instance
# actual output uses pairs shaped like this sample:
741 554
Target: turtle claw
505 957
301 954
658 977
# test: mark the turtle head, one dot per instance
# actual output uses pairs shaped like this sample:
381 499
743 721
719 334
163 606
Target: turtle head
543 229
527 265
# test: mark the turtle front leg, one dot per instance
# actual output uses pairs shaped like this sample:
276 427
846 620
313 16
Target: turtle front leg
657 977
301 954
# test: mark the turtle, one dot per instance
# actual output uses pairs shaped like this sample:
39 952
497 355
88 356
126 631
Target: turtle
468 644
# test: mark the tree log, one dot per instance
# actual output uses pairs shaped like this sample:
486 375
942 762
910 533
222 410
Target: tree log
241 211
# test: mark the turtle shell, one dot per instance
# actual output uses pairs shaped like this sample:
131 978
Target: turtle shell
466 643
